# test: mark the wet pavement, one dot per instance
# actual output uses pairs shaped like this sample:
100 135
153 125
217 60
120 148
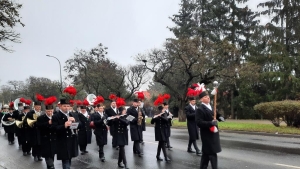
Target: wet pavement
239 151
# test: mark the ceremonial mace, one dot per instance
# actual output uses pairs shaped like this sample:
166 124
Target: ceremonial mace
214 92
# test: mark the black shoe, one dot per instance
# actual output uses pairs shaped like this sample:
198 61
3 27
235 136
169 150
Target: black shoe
117 148
169 147
190 151
135 152
40 159
12 142
35 159
140 154
142 142
103 159
158 158
199 152
167 160
24 154
28 153
85 151
9 143
82 153
120 165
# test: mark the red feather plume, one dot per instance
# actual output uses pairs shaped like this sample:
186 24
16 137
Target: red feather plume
22 100
140 95
166 96
50 100
39 97
11 104
98 100
28 102
112 97
191 93
120 102
72 102
85 102
78 102
159 100
71 90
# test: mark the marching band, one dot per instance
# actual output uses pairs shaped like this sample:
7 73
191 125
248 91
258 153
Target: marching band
61 131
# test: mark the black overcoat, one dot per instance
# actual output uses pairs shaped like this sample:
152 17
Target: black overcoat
48 136
143 110
67 143
34 131
169 124
160 128
100 130
110 112
11 128
135 129
24 131
210 140
85 132
120 133
16 115
191 123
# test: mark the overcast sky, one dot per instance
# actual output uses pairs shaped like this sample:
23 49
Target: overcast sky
60 28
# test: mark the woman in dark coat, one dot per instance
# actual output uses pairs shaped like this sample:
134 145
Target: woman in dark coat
85 132
120 135
161 122
99 118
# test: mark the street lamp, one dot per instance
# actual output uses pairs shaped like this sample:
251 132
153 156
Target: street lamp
59 70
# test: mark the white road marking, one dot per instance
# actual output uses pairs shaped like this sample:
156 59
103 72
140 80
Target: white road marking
284 165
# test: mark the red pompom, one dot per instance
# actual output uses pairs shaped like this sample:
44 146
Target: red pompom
78 102
39 97
166 96
72 102
85 102
50 100
28 102
112 97
140 95
120 102
71 90
191 93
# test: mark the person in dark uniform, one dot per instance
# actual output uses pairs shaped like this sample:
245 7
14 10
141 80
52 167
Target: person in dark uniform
193 129
67 140
99 118
24 132
111 112
9 119
4 111
17 113
85 132
121 135
35 139
161 124
210 139
135 128
143 111
169 124
48 134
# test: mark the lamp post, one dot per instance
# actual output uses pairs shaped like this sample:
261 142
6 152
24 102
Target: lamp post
59 70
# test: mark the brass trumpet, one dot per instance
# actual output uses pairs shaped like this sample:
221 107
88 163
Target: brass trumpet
19 123
31 122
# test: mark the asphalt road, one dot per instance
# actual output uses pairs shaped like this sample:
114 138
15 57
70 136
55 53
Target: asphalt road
239 151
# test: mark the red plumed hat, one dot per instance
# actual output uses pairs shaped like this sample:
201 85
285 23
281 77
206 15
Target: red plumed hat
85 102
112 97
11 104
39 97
28 102
78 102
98 100
22 100
72 102
120 102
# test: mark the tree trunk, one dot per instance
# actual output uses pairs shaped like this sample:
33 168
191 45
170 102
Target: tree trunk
181 113
231 105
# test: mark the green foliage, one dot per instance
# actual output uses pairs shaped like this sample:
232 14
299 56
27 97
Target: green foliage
286 110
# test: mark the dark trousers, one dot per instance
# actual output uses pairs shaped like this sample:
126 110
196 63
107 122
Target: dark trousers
26 147
19 141
11 137
161 146
36 151
194 143
49 162
66 164
213 158
136 147
82 147
122 156
101 151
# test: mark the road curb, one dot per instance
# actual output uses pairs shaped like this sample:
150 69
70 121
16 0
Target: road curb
261 133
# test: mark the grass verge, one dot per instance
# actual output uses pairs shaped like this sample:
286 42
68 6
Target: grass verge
248 126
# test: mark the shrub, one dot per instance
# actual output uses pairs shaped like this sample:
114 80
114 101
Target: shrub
278 111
